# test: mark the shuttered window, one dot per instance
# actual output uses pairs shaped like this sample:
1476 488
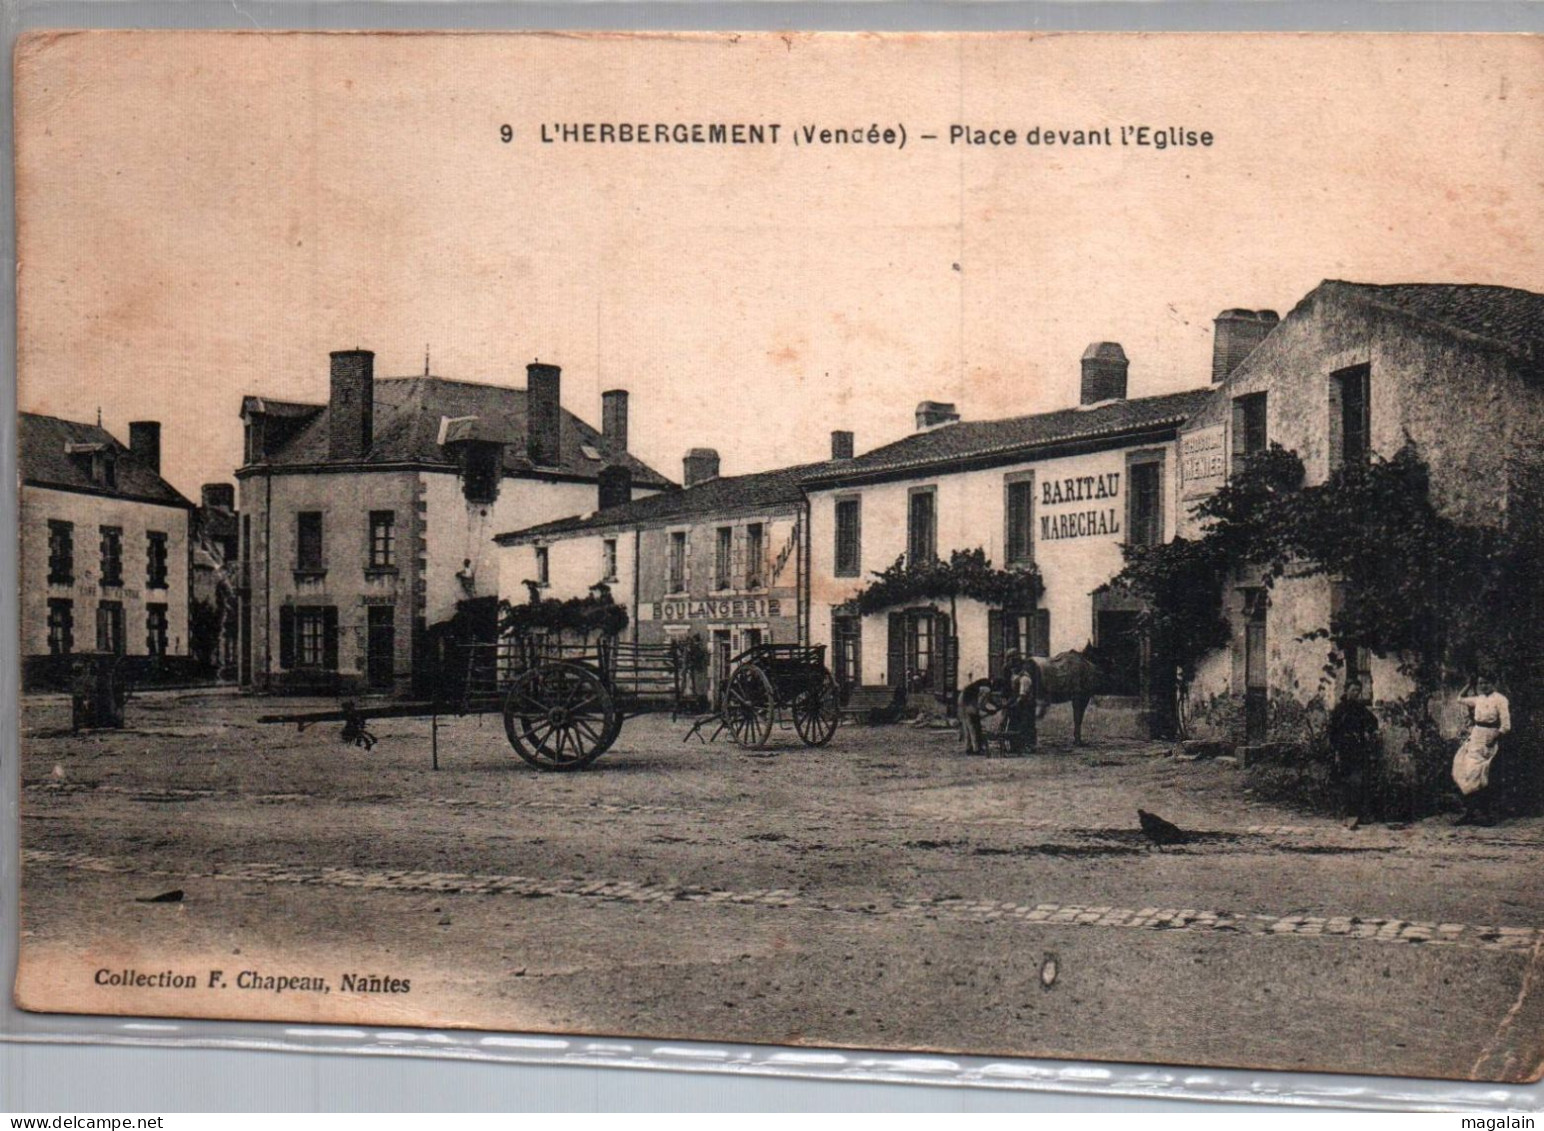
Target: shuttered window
849 534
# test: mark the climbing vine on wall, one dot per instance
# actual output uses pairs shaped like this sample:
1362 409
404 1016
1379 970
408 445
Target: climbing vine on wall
1415 584
967 574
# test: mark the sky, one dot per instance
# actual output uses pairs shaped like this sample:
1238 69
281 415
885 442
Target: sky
206 215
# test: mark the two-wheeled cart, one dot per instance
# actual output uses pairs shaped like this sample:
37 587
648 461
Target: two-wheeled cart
780 685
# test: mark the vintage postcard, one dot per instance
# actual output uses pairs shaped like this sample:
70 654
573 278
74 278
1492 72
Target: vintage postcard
1007 544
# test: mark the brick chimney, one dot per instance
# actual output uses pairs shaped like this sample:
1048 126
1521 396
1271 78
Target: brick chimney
930 414
351 405
145 443
543 416
841 445
1237 334
219 495
616 485
613 419
700 465
1104 373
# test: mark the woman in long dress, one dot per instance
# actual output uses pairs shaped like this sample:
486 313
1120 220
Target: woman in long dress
1492 719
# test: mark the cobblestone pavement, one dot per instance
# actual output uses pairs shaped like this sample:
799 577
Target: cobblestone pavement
883 892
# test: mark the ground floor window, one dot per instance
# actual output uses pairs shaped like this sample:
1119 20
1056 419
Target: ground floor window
109 625
1025 631
61 626
919 641
847 649
723 644
155 630
308 637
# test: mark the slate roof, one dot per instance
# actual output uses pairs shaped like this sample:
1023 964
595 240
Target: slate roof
762 490
1013 437
406 427
1505 316
43 461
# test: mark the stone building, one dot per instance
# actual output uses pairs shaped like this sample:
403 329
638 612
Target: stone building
104 550
367 521
1355 372
1060 491
723 560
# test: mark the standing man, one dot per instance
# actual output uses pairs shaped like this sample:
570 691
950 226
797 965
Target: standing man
976 700
1353 735
1019 718
1492 717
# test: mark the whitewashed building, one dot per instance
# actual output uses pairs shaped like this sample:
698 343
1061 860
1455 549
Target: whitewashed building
367 522
1060 491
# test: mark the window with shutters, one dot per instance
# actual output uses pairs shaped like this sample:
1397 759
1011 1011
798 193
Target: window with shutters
754 533
112 555
849 537
847 649
1144 501
310 638
675 565
1249 435
308 542
383 539
61 552
155 560
61 626
922 525
1019 507
723 553
156 629
1026 632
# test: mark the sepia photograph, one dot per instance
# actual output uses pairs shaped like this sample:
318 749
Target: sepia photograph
1020 545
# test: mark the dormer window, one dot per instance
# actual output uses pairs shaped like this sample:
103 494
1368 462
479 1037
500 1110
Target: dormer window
482 466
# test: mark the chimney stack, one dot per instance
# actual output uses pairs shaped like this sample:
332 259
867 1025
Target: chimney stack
930 414
219 495
700 465
543 416
1104 373
351 405
613 419
616 485
841 445
145 443
1237 334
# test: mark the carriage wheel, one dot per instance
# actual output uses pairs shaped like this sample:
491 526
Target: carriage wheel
559 716
748 706
817 711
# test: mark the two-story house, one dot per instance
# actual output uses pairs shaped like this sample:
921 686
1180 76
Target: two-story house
368 521
104 550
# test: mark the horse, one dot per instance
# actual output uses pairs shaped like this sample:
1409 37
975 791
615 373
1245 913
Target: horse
1070 677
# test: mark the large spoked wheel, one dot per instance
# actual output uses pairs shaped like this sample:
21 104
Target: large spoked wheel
560 716
817 710
748 707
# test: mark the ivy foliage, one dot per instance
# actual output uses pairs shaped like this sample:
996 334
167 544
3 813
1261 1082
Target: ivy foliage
595 614
1414 584
967 574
